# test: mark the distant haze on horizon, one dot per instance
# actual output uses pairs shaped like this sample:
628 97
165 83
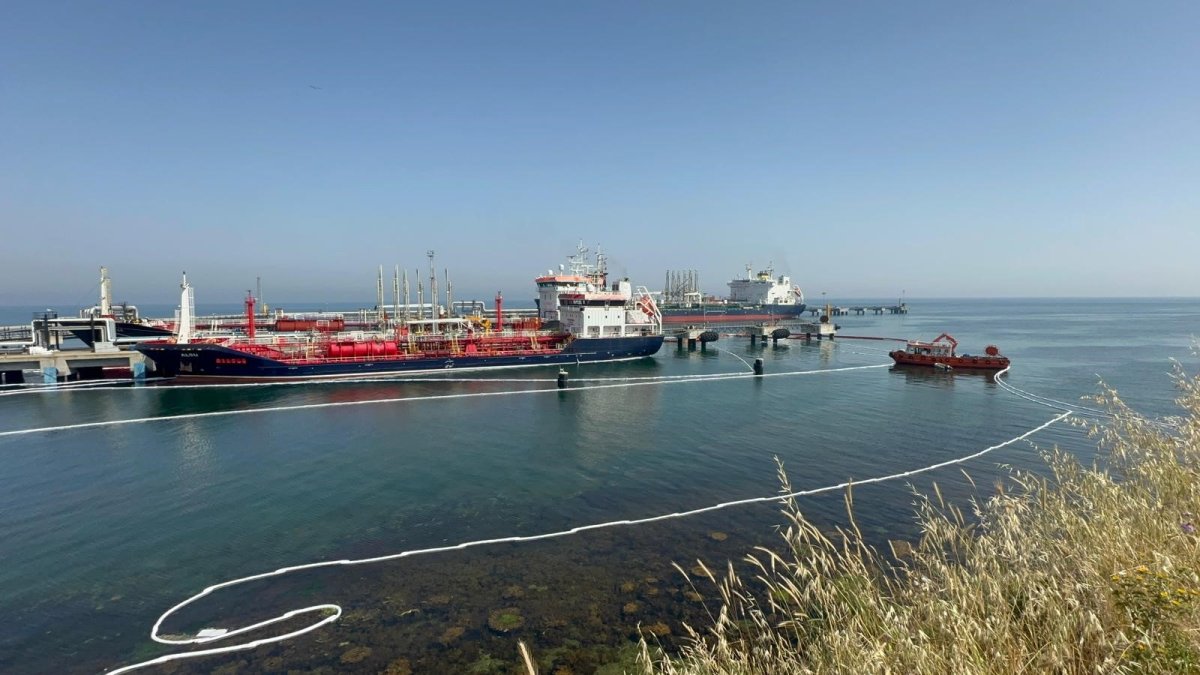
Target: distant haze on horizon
934 149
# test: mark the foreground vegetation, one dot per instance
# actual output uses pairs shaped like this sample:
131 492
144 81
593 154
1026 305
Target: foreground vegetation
1088 570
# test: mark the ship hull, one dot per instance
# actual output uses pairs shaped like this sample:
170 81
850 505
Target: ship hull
216 362
127 332
718 314
903 358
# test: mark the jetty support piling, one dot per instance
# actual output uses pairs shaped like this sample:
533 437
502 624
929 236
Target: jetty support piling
693 335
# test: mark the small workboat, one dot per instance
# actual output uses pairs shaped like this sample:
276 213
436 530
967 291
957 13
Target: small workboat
939 353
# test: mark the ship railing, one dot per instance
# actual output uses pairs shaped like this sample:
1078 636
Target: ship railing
304 340
310 359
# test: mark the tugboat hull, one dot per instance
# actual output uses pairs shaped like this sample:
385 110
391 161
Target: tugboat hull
903 358
940 354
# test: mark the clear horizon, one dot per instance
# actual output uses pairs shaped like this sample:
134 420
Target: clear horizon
937 149
292 305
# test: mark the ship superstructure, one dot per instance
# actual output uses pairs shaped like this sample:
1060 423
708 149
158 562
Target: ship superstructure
759 297
577 276
764 288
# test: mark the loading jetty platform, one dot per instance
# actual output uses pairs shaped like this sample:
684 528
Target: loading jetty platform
860 310
757 332
46 348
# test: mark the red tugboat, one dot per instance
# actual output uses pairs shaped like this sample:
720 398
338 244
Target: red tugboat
940 354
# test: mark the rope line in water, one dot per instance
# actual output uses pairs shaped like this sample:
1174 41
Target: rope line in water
108 385
868 337
88 385
1081 411
414 399
744 361
285 383
337 610
1049 402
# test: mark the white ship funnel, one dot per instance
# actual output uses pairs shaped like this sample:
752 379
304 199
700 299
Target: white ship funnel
185 316
105 293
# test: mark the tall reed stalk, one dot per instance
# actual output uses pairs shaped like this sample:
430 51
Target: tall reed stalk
1091 569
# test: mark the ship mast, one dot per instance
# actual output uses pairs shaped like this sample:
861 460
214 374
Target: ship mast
380 312
420 296
395 293
433 289
406 296
601 267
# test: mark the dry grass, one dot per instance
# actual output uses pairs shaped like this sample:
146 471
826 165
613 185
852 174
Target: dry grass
1092 570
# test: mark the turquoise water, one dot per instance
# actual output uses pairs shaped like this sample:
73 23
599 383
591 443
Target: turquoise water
103 529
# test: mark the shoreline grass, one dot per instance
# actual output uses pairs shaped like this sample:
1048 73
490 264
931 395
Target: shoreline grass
1088 569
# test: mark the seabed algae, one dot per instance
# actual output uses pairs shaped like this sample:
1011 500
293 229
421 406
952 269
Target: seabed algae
505 620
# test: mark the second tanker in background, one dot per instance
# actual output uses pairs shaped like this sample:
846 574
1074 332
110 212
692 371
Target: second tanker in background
756 298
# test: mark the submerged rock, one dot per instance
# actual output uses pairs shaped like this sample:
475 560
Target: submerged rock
355 654
505 620
657 629
486 664
399 667
900 548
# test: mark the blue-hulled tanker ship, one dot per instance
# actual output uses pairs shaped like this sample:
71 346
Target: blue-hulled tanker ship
595 323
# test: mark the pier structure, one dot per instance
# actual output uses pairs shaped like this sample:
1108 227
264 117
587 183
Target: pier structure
43 351
694 335
759 333
861 310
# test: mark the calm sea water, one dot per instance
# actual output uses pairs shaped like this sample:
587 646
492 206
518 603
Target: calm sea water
103 529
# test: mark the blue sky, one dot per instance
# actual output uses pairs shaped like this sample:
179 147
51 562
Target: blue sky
943 149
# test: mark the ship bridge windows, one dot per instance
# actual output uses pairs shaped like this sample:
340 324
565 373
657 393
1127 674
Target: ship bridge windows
580 302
